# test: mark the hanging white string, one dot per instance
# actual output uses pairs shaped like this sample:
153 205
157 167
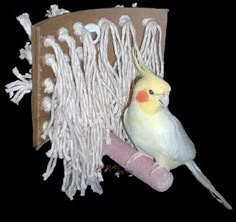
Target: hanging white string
151 50
112 80
90 121
95 110
128 41
63 126
128 72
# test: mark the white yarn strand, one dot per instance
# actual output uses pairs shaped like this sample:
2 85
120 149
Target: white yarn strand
64 117
20 87
151 50
111 75
128 73
94 123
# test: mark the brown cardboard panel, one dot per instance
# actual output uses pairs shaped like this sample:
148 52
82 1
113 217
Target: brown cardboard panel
51 27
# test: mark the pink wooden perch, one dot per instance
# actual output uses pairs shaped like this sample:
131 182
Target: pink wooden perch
142 167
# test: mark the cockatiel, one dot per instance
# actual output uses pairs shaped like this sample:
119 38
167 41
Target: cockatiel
155 131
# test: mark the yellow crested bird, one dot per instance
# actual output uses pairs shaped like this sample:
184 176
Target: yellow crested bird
155 131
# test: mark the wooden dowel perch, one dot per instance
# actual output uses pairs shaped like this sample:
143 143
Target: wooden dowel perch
141 167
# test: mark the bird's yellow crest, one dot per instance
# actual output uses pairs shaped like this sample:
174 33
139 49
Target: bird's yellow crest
143 70
148 79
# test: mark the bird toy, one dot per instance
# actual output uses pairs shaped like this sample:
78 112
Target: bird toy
92 96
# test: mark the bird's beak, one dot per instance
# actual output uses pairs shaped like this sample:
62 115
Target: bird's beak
164 100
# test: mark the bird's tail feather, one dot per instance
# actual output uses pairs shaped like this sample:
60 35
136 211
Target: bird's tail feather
206 183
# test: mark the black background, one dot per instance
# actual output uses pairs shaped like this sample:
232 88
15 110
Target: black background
199 65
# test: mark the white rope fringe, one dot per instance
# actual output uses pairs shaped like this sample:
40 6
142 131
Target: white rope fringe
151 47
19 88
89 94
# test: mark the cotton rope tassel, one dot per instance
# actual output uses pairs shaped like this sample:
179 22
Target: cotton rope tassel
17 89
20 87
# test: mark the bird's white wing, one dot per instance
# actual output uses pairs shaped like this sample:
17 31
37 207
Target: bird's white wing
174 141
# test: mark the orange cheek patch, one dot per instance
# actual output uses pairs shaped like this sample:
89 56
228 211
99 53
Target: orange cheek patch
142 96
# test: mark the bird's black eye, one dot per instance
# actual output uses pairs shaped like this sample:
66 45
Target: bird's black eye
151 92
